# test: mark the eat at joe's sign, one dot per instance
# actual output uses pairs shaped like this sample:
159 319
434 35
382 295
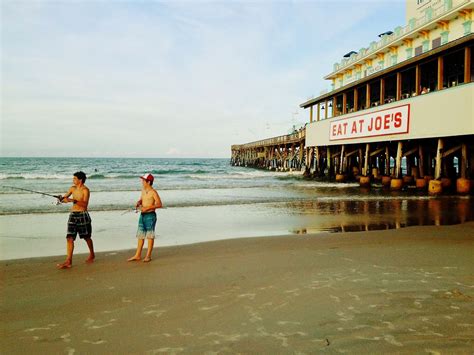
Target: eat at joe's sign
395 120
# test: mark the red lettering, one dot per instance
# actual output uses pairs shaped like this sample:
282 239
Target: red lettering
334 131
354 127
345 128
386 121
339 129
360 125
397 120
371 125
378 123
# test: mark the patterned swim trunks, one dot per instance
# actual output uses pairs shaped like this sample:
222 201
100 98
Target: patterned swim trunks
146 225
79 223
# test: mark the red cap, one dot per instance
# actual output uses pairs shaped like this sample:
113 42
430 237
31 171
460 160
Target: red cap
147 177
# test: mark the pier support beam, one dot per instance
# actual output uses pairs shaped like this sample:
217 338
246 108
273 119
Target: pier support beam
435 186
463 185
341 176
397 182
365 178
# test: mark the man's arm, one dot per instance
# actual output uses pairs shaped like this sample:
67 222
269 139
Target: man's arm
83 202
64 199
139 203
157 200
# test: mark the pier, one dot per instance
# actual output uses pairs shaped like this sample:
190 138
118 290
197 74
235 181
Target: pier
399 113
282 153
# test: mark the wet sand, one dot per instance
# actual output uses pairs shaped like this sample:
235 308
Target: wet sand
408 290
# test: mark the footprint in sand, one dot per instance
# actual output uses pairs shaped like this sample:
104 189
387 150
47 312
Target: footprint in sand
182 332
208 308
366 338
294 292
165 350
285 322
356 297
97 342
433 352
391 340
157 312
335 298
250 296
89 324
36 329
389 325
254 315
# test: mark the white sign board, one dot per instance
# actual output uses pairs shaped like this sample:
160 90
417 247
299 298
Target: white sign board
395 120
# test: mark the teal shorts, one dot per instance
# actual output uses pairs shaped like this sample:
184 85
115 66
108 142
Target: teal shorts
146 225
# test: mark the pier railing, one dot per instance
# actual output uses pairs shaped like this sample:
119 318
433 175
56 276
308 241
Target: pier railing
286 139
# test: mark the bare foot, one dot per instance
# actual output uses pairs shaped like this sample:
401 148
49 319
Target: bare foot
90 259
147 259
65 265
134 258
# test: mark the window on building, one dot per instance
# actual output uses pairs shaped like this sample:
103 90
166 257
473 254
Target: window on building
350 101
330 107
361 97
408 83
428 76
453 64
390 88
436 43
338 106
418 50
472 63
375 93
322 111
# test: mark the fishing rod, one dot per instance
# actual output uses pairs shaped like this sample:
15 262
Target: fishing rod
59 197
136 210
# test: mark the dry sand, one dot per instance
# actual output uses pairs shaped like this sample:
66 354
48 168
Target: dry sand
396 291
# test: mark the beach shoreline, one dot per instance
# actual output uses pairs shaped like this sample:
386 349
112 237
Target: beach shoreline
392 291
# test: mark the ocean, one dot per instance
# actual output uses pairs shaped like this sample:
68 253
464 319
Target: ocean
204 200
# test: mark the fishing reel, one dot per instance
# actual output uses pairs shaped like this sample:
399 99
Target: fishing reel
59 200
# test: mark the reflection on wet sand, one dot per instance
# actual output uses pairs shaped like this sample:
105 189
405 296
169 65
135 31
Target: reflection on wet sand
369 215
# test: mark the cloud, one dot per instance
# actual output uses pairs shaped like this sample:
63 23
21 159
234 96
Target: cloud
194 76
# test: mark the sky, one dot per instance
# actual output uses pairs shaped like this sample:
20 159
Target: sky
170 79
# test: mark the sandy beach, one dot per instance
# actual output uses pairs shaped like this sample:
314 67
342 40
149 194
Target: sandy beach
394 291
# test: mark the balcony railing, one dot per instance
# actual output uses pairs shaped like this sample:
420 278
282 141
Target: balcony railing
399 32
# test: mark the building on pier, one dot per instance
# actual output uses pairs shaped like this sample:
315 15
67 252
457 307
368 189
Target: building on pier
401 111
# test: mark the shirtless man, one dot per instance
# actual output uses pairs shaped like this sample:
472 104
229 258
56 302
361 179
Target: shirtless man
149 202
79 220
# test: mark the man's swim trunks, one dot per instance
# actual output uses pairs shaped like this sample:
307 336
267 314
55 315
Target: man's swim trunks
79 222
146 225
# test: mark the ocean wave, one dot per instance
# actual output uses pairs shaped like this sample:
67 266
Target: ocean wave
208 173
274 201
30 176
125 208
